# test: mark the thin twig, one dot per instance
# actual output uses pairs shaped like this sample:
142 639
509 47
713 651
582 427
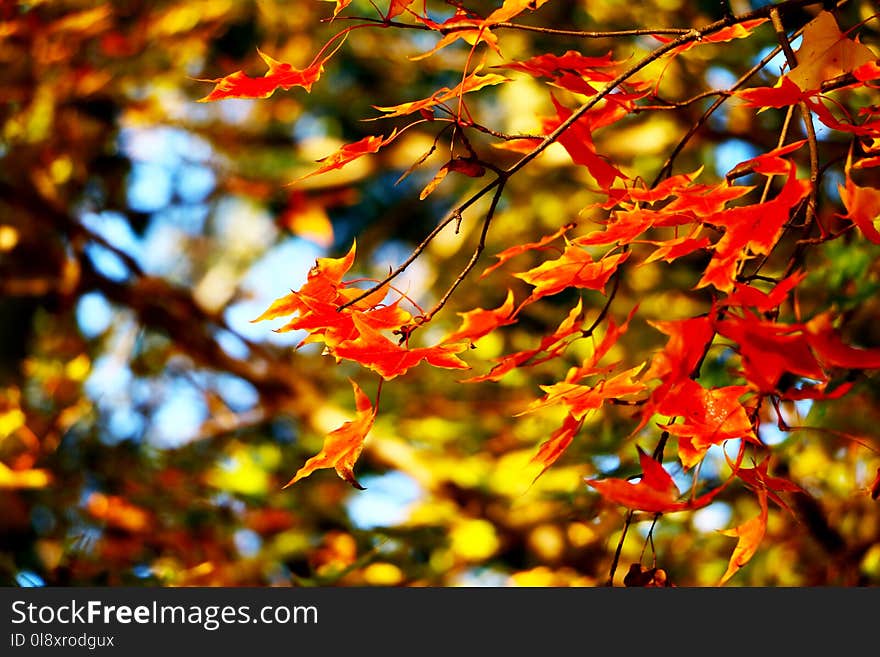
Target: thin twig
481 245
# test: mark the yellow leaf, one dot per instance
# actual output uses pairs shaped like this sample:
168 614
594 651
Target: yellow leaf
826 53
750 534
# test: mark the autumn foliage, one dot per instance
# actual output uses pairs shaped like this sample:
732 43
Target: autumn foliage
754 340
781 354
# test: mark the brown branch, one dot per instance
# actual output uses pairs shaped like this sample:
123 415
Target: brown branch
481 245
578 34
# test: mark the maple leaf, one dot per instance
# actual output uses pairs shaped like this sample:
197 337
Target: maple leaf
862 205
709 417
581 399
518 249
704 200
279 76
751 297
751 229
397 7
550 345
373 350
758 479
770 349
461 25
476 30
825 53
571 70
655 492
670 186
340 5
511 9
552 448
688 339
832 351
322 283
749 536
575 268
479 322
578 139
343 445
552 66
466 166
735 31
623 227
348 153
472 82
785 93
670 250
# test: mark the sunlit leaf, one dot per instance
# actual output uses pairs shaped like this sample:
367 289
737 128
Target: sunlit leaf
343 445
749 536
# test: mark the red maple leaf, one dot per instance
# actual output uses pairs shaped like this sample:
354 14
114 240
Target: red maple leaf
578 139
749 230
748 296
373 350
279 76
770 350
655 492
709 417
784 94
832 351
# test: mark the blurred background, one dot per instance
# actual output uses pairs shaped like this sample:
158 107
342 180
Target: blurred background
147 424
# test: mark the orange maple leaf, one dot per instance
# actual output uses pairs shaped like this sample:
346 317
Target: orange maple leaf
340 5
551 346
479 322
476 30
749 230
575 268
322 283
513 251
554 447
279 76
472 82
343 445
582 399
736 31
655 492
348 153
397 7
862 204
749 534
